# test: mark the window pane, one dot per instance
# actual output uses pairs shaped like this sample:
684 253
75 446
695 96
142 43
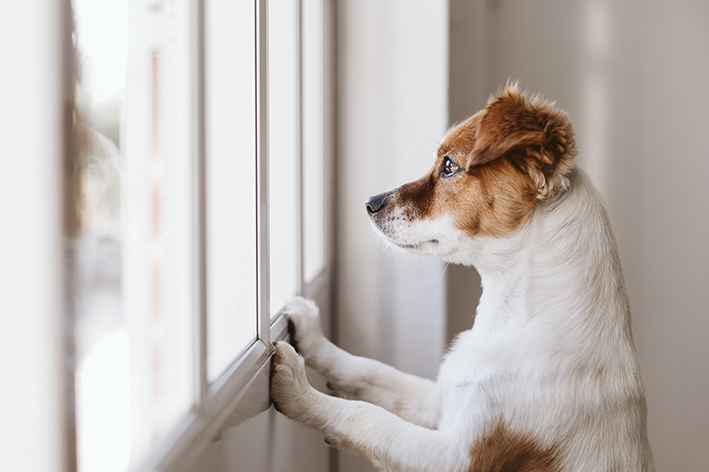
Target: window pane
283 150
230 76
103 370
314 197
134 242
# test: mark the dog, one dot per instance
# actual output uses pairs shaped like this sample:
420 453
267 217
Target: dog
547 379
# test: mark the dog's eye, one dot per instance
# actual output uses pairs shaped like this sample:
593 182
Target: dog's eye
448 167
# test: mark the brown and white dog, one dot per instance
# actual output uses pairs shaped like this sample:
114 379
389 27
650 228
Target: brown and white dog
547 378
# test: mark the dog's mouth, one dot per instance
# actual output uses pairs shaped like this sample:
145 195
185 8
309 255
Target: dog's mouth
412 246
403 244
418 245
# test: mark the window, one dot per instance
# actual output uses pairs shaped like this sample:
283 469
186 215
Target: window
201 184
230 184
283 143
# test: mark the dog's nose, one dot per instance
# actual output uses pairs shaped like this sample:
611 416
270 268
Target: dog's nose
374 204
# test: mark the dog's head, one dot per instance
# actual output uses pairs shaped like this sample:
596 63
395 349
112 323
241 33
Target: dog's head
489 174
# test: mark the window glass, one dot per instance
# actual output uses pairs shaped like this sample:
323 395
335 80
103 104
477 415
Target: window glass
314 197
103 369
283 150
133 249
230 187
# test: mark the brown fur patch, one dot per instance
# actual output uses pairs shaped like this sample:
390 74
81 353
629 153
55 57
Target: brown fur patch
514 152
501 450
538 136
491 200
416 197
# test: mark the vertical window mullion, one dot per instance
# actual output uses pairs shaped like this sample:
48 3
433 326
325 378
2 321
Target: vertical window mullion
299 153
261 81
199 209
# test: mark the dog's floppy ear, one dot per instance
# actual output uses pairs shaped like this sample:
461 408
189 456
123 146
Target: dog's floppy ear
532 132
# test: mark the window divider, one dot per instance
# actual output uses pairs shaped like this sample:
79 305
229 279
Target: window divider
199 208
264 313
300 276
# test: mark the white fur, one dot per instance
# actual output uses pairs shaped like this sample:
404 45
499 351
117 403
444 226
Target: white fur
550 353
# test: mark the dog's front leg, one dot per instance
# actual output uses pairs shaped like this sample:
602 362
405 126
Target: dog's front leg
410 397
388 441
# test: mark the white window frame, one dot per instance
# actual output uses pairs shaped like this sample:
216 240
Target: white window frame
242 390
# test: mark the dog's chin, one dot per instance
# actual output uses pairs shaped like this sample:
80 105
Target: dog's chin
425 247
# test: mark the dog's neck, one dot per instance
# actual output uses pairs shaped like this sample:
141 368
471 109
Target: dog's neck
562 265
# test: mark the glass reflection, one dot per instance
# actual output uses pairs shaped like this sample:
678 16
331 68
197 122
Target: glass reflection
102 342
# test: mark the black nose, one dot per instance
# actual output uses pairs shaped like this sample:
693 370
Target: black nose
376 203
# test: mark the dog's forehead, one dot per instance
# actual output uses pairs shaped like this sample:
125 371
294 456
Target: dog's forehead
461 137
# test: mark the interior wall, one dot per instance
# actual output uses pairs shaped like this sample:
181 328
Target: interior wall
392 113
468 91
632 75
37 427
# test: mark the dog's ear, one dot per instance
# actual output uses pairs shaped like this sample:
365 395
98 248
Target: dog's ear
532 132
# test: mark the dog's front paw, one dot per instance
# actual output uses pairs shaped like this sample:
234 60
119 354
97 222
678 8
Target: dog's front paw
290 391
305 329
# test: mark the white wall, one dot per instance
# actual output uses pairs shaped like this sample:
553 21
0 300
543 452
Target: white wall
392 62
392 79
36 430
633 76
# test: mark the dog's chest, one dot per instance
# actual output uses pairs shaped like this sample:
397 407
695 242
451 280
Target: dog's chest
471 370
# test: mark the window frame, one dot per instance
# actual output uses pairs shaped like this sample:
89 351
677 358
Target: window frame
242 390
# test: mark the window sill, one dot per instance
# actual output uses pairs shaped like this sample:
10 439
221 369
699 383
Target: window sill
242 392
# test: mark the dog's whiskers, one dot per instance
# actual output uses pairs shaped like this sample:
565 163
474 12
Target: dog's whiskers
444 271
